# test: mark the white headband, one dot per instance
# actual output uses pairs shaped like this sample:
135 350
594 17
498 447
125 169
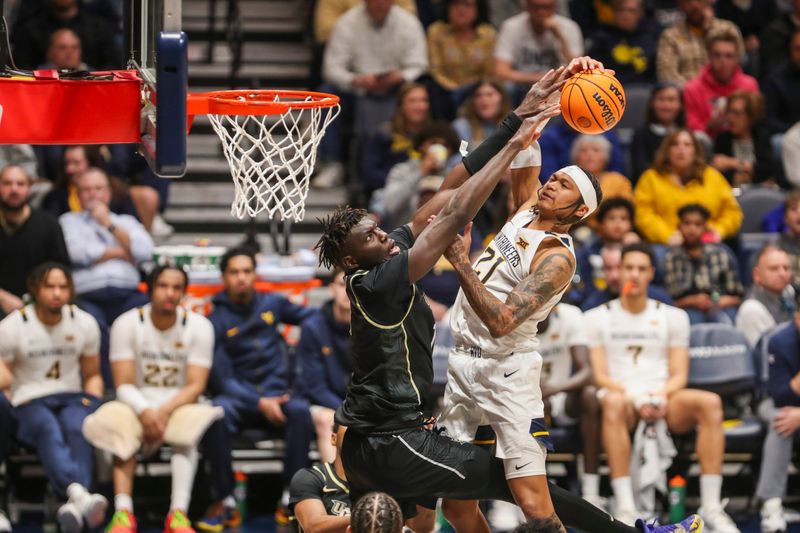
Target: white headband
585 187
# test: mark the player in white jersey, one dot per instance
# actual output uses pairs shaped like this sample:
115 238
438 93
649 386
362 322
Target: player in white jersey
568 390
51 363
494 370
160 357
640 357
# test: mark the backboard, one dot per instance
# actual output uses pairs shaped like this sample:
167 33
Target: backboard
157 47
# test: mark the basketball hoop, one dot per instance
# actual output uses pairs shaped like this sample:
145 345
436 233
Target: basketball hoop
270 139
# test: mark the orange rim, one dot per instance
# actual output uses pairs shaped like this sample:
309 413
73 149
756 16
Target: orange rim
256 102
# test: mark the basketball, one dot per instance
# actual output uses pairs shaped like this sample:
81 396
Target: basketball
592 101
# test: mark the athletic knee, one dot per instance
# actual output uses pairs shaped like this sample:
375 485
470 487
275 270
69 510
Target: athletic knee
535 505
711 408
456 511
323 420
614 407
589 404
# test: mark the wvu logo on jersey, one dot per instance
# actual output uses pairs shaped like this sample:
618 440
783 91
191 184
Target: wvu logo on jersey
522 243
231 332
69 338
268 317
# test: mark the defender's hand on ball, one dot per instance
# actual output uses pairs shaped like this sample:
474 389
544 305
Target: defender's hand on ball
538 97
530 130
458 251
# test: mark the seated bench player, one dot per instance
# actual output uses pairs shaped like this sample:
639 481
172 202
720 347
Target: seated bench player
51 362
640 356
568 388
160 355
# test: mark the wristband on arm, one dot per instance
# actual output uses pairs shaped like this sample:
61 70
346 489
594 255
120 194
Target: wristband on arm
481 155
133 397
529 157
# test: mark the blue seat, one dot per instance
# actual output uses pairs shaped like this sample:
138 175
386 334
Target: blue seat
721 361
756 202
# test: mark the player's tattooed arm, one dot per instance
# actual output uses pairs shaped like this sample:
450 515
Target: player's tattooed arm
551 271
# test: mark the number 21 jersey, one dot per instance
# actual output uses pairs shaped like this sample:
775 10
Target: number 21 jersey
503 265
161 357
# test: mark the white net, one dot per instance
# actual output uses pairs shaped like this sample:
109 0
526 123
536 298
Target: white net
272 158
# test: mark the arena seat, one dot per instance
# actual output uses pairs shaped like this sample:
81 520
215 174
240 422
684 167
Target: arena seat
721 361
635 115
757 202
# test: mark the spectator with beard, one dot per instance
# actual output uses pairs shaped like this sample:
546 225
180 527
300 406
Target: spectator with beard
28 237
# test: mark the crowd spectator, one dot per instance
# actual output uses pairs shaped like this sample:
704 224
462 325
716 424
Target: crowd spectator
534 41
774 41
705 94
640 357
161 355
782 414
104 249
665 112
28 238
556 143
628 45
396 202
482 112
743 152
326 361
99 45
751 18
611 256
64 51
394 141
139 201
770 300
782 91
49 354
680 176
328 12
789 240
702 277
682 50
461 50
374 49
250 377
613 225
593 153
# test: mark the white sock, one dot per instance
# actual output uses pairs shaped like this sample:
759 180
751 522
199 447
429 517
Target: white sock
285 498
77 493
123 502
710 491
590 485
229 502
623 492
184 464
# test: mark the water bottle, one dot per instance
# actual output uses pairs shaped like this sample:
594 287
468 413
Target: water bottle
240 493
677 499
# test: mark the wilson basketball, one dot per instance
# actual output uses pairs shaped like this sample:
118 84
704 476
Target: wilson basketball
592 101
